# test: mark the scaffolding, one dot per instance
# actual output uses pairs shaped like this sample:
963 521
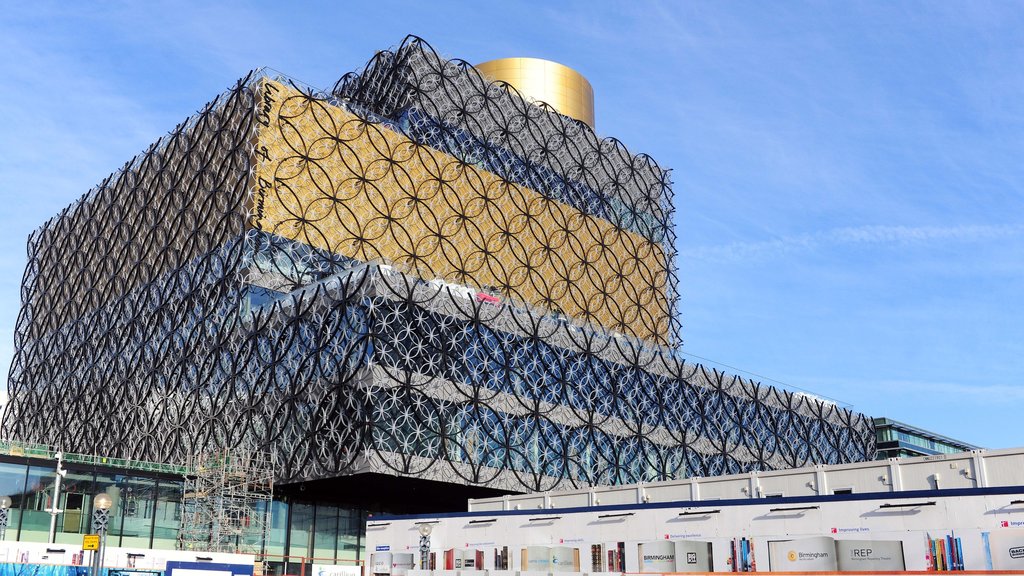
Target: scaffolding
226 501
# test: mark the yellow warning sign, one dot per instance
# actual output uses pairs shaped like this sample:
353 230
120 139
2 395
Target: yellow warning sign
91 542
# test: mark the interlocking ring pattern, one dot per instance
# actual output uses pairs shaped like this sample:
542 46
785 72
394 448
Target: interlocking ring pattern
419 274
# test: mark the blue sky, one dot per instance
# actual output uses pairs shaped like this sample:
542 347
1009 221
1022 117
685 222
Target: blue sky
848 176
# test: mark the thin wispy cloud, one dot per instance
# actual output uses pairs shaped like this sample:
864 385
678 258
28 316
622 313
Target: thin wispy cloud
877 234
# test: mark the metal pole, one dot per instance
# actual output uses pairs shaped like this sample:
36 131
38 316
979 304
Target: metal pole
103 552
54 511
100 519
425 552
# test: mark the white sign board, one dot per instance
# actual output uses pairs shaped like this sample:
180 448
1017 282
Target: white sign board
804 555
1006 548
394 563
693 556
565 559
658 556
870 555
537 559
675 556
332 570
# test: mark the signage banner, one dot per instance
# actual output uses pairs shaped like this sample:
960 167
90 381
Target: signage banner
870 555
565 559
394 563
538 559
693 556
804 555
658 556
332 570
1006 548
381 562
675 556
551 559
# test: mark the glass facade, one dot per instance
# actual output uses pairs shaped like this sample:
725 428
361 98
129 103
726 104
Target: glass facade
146 513
136 517
898 440
12 484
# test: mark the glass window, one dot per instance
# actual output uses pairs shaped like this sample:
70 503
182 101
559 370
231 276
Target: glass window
35 521
134 509
167 514
251 539
12 484
301 526
277 528
76 491
326 534
350 531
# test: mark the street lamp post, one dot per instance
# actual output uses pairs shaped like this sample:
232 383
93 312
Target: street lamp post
100 520
5 511
54 510
425 530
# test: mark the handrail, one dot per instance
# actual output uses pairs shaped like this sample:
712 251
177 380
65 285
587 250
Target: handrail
47 452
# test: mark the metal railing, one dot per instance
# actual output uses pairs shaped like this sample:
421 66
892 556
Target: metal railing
46 452
283 565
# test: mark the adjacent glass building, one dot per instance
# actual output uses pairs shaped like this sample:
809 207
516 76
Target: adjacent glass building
898 440
415 288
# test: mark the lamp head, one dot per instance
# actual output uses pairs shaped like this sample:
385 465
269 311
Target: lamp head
425 529
103 501
5 502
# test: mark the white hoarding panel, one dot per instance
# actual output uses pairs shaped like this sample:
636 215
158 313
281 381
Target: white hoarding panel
803 555
657 556
332 570
380 562
1006 548
869 555
565 559
536 559
693 556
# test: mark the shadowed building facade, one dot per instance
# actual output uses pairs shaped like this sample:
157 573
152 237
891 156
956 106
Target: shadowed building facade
419 278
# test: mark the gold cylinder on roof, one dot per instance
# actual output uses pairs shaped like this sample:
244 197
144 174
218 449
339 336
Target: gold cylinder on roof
561 87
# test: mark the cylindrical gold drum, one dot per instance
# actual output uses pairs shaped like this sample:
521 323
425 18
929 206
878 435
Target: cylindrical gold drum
565 89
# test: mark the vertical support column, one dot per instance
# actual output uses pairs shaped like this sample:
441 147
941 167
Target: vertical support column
5 504
100 523
980 474
54 510
895 477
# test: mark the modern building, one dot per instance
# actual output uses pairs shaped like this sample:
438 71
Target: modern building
898 440
419 287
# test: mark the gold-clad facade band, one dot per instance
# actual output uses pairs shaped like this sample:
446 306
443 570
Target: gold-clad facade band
563 88
332 180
